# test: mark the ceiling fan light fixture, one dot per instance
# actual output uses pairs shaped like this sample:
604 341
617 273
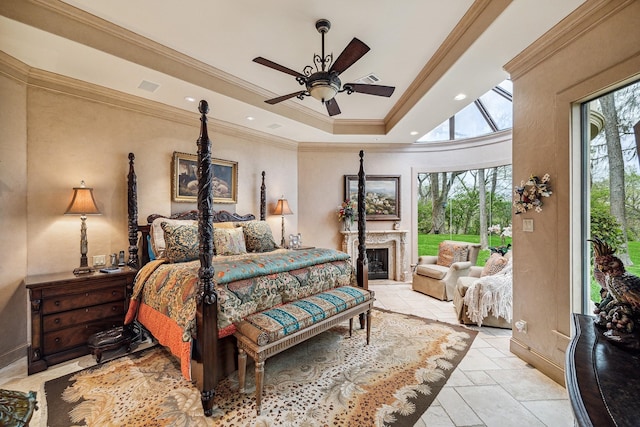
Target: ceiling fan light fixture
323 86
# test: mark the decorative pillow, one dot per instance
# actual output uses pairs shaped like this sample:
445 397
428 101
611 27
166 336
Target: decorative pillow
258 236
157 233
229 241
494 264
181 242
227 224
450 252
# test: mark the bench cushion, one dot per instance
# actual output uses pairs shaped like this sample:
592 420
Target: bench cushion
273 324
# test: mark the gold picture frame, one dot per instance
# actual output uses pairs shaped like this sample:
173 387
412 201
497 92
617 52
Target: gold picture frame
185 179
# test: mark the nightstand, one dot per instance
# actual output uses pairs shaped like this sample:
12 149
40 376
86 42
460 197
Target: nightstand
67 309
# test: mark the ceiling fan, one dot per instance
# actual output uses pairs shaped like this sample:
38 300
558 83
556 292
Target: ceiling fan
321 80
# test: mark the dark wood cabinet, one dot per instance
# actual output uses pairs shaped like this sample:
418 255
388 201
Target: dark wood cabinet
67 309
602 378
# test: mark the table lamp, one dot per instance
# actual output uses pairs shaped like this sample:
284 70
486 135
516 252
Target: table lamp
83 204
282 208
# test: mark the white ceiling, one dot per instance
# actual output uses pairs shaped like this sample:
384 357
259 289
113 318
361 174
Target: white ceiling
219 39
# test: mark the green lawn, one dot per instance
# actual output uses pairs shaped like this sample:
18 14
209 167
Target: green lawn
428 245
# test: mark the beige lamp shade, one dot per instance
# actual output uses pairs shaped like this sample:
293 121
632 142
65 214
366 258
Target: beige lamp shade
282 207
82 202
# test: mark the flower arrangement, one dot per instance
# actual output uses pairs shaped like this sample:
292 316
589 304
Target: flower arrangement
529 194
347 210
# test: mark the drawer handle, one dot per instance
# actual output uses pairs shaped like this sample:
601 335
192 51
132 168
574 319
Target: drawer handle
57 340
86 310
57 303
57 320
87 294
114 308
114 293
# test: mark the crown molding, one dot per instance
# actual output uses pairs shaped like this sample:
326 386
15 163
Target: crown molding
13 68
475 21
496 138
583 19
37 78
74 24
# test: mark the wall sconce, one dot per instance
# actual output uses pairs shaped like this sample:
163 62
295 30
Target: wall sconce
282 208
83 204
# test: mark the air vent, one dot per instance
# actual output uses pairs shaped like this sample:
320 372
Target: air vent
148 86
274 126
369 79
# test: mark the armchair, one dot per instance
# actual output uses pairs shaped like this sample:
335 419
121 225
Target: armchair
437 276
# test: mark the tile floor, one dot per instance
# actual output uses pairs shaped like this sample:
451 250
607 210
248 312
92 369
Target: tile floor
491 386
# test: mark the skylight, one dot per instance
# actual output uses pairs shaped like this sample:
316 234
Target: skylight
492 112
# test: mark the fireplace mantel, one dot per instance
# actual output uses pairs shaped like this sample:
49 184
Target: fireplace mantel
394 240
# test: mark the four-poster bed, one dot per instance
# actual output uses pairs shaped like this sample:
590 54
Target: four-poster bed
214 293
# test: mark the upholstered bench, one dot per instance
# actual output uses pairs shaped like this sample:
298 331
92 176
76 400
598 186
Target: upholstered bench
267 333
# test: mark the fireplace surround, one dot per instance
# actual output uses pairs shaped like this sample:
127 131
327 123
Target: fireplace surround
394 240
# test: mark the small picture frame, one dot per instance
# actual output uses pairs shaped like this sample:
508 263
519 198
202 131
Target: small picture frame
382 196
185 179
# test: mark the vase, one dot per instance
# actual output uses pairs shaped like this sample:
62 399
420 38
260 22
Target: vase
347 224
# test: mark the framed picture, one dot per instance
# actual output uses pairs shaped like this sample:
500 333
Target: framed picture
382 196
185 179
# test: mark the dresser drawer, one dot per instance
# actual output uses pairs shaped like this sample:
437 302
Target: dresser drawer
56 321
87 298
64 339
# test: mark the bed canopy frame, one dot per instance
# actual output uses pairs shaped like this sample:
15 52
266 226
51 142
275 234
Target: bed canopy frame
207 369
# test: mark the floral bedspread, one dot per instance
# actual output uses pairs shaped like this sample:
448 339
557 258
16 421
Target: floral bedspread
245 284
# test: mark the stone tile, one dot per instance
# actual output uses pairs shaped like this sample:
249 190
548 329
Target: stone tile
553 413
492 353
476 361
497 408
479 377
512 362
458 379
435 417
528 384
456 408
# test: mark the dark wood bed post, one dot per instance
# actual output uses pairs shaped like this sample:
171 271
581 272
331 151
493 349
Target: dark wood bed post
362 264
207 345
263 200
132 208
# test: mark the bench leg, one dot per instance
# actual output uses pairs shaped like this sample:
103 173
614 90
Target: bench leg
259 379
350 327
242 369
368 326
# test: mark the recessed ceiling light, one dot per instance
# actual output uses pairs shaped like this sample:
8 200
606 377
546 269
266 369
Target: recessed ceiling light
250 118
460 97
414 133
189 99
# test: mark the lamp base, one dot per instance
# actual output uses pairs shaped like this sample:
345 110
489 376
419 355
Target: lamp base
83 270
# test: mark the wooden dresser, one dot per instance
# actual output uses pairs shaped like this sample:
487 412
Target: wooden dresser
66 310
602 379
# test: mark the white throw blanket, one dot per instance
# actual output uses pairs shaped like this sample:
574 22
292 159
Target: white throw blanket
491 294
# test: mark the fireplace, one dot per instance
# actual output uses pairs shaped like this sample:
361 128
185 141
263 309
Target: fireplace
393 241
378 260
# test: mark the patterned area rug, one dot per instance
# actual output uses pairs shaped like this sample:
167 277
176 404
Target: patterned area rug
330 379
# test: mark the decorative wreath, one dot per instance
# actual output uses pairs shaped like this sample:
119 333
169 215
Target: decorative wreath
529 194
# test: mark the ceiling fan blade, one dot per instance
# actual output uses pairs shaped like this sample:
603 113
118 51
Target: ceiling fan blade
284 97
370 89
271 64
332 107
354 51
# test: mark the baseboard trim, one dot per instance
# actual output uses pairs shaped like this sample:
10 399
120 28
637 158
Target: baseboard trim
538 361
11 356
